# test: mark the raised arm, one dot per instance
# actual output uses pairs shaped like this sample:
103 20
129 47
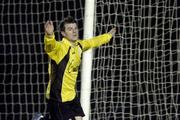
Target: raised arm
49 38
49 28
98 40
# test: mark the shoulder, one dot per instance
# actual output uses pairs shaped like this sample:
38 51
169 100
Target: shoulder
79 43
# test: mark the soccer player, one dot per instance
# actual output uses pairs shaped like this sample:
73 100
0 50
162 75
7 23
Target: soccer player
65 55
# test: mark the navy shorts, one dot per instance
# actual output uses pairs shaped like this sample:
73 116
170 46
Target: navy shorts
65 110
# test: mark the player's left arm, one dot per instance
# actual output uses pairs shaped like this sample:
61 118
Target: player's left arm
98 40
112 31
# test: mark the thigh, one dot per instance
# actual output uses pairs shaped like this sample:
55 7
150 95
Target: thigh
76 108
66 110
54 110
72 109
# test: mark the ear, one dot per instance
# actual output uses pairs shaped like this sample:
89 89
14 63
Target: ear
63 33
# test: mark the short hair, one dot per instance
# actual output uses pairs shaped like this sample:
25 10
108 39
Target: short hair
67 20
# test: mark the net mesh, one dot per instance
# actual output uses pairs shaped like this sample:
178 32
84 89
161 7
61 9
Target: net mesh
23 62
135 76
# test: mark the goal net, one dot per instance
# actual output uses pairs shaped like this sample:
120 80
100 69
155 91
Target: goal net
23 62
135 76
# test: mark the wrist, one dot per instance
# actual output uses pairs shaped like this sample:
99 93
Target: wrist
49 35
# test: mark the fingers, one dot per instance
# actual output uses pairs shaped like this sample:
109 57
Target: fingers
49 22
113 31
48 27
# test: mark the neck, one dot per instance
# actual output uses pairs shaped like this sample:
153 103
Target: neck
72 42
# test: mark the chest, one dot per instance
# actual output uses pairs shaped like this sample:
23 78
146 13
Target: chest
75 55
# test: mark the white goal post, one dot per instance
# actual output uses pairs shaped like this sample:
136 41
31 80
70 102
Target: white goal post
87 58
133 77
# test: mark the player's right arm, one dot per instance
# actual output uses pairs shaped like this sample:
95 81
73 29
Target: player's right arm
49 38
51 46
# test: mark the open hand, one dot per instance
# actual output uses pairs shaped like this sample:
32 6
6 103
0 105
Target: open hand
49 27
112 31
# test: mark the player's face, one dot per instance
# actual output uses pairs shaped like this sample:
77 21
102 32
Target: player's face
71 32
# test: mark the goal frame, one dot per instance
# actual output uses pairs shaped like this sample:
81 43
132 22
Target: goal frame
87 58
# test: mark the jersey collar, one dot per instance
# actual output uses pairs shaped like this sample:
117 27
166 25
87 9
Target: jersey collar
66 41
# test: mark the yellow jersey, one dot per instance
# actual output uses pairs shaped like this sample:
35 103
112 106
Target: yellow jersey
64 65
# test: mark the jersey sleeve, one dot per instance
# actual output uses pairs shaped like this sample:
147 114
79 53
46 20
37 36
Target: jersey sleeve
95 41
52 47
49 43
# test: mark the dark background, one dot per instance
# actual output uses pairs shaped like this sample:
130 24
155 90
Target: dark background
23 62
135 76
